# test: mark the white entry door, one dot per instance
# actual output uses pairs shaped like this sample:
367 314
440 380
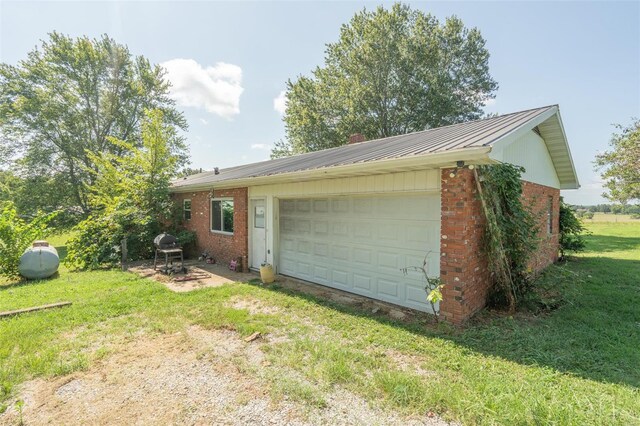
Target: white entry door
361 244
258 233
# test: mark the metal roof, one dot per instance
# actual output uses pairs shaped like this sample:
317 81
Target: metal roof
473 134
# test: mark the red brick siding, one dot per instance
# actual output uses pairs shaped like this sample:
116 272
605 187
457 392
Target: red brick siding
221 246
463 266
538 198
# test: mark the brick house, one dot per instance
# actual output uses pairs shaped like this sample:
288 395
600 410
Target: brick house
352 217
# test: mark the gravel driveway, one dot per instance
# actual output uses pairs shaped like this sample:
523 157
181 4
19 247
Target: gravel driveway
193 377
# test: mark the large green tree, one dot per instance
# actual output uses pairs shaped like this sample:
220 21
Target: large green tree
65 100
129 198
620 166
392 71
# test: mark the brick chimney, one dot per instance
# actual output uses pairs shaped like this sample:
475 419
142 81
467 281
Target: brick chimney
356 137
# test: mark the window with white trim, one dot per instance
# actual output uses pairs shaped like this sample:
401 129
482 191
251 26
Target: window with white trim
186 209
222 215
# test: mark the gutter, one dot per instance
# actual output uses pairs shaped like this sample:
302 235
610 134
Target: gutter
477 155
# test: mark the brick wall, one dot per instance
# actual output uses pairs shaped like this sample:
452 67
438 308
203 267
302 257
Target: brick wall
463 266
221 246
538 197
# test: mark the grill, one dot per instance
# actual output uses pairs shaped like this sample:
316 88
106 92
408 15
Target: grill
167 246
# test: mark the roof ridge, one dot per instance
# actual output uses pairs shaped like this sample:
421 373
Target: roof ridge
448 125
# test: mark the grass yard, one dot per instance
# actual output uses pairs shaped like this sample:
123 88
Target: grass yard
577 365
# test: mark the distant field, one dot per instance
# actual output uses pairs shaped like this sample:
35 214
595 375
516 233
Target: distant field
610 217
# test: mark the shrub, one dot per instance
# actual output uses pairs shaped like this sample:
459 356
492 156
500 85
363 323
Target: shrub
187 239
510 236
635 216
97 241
588 215
571 230
16 235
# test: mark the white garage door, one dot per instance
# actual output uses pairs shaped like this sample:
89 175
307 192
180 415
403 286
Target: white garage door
360 244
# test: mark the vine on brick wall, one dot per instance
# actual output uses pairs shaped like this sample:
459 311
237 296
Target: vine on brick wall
510 234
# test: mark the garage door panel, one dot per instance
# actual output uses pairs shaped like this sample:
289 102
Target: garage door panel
304 247
389 207
321 206
321 228
363 205
389 289
363 256
321 251
362 283
288 225
360 244
321 273
388 262
340 206
303 226
340 277
415 293
363 231
340 229
287 206
304 269
417 233
288 244
287 265
339 252
303 206
411 260
389 233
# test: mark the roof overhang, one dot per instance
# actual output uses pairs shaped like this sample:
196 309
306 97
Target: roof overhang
477 155
552 132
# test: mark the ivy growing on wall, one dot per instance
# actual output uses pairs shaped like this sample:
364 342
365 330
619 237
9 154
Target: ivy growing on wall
510 234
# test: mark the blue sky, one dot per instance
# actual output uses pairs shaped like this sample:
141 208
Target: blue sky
230 61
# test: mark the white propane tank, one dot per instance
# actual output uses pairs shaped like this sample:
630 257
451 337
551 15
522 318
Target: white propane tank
39 261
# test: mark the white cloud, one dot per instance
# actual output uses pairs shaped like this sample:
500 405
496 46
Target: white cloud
280 102
203 121
260 146
490 102
216 88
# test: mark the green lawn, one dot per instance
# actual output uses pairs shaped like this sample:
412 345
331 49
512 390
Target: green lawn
577 365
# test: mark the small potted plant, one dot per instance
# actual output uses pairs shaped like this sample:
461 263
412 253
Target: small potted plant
266 273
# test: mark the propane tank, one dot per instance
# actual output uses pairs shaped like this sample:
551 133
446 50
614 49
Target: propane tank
39 261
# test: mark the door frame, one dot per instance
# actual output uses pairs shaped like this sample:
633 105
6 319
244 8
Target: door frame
250 233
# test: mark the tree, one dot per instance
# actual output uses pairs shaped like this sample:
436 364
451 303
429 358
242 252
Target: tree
571 230
63 102
128 199
621 165
16 235
392 71
39 193
188 171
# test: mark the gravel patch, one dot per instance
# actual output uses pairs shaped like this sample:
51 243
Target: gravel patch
254 306
187 378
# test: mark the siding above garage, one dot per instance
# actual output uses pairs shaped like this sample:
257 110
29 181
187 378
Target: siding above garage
415 181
